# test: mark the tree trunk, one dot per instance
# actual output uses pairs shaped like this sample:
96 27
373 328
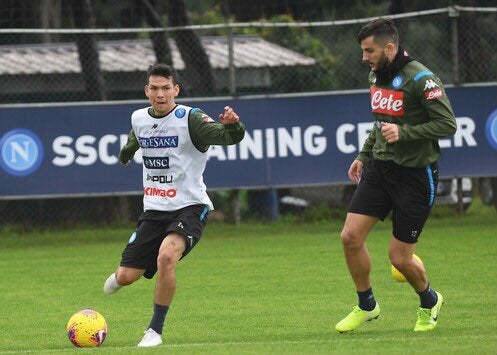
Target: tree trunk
198 67
153 12
473 67
50 16
83 16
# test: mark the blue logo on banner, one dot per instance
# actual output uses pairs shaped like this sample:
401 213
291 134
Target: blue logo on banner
159 142
180 112
397 81
491 129
21 152
156 162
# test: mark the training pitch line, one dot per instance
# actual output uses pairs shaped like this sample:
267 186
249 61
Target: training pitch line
229 343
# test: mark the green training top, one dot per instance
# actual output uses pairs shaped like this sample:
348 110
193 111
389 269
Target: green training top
416 101
204 131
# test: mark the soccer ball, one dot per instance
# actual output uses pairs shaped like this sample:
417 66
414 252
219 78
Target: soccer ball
87 328
397 275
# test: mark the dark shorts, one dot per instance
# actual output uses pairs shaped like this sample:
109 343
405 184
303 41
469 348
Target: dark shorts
408 192
142 249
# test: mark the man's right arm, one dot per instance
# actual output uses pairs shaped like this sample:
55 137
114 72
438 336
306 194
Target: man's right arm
128 151
367 149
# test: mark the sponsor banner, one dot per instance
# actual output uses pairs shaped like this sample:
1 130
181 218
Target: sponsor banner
73 150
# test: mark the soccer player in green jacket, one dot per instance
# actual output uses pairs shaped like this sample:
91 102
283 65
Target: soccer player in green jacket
396 170
173 140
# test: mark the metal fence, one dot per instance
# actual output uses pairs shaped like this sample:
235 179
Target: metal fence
40 65
235 58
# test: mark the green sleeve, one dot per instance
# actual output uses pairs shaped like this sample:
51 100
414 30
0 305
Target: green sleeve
367 149
441 120
204 131
128 151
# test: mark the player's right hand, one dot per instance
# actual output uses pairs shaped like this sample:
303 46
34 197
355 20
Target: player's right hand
126 164
355 171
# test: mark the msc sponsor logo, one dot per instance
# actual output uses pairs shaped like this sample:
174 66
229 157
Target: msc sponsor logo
162 179
21 152
156 162
152 191
491 129
389 102
159 142
180 113
433 94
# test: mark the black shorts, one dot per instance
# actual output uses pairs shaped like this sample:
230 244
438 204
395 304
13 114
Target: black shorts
409 192
142 249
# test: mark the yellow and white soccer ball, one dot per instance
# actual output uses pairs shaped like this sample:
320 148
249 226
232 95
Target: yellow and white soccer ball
398 276
87 328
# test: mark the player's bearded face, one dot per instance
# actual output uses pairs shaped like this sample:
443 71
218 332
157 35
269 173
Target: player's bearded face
382 62
374 54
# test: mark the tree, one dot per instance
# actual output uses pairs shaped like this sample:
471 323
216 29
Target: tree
198 67
159 39
83 17
469 38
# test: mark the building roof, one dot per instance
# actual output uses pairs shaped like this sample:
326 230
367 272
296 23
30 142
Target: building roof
137 55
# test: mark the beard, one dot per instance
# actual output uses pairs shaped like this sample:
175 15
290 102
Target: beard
382 64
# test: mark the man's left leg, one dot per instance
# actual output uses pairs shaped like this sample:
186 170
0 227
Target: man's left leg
401 256
170 252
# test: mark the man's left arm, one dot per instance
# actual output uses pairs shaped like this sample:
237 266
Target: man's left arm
204 131
442 122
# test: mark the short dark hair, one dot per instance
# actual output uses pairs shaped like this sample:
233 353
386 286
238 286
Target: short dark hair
382 29
161 69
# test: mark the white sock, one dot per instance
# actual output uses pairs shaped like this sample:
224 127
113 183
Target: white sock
111 285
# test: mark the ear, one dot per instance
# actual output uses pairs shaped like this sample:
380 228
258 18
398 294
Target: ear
390 49
146 90
176 90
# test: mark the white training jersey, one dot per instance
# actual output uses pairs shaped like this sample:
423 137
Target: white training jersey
172 166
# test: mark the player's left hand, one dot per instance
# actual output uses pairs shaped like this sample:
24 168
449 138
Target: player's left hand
229 116
390 131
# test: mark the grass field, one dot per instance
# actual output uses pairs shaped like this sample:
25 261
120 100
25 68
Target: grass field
255 289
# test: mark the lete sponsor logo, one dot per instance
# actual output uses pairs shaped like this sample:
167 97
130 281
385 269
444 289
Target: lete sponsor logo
153 191
389 102
491 129
433 94
21 152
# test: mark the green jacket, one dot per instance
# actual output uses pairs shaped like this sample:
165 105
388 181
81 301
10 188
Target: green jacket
416 101
203 131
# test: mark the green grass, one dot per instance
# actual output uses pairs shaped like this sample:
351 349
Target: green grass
253 289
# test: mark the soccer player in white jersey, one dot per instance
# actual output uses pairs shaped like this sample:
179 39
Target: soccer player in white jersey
174 140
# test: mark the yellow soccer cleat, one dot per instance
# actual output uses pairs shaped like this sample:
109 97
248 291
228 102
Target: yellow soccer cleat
428 317
356 318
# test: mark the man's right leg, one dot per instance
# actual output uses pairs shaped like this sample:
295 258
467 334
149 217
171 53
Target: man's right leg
354 234
122 277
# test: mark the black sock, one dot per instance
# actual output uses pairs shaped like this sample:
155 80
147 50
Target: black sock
366 300
428 297
157 322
